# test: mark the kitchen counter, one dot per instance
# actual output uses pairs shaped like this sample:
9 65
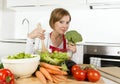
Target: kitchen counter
34 80
80 43
99 44
13 40
111 73
107 81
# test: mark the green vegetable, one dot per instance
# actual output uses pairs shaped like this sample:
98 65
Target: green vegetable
1 66
20 55
55 58
73 37
44 56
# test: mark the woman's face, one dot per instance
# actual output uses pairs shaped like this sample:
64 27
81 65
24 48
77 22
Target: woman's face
62 25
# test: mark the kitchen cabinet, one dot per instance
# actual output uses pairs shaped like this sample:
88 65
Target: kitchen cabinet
20 3
29 3
13 4
10 48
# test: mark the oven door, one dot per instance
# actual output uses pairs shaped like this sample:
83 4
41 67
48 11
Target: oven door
101 60
102 56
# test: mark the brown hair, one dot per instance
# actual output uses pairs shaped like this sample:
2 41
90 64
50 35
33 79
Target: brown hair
56 15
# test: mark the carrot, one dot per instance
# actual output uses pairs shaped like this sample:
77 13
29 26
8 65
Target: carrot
46 73
54 71
64 72
61 77
41 77
50 66
58 66
55 80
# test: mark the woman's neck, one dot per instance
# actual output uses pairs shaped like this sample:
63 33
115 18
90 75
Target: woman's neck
56 35
56 39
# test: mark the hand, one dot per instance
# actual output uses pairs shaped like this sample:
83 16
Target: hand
37 33
72 48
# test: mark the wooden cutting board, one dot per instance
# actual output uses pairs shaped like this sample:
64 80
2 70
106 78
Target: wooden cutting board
114 71
34 80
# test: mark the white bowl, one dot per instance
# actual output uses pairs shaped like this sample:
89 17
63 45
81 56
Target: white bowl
21 67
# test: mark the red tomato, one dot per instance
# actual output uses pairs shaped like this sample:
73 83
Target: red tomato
74 68
88 69
93 75
79 75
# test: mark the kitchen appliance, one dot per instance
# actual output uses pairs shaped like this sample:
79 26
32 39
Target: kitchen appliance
102 55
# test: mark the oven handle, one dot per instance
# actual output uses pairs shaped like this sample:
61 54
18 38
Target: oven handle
97 60
110 60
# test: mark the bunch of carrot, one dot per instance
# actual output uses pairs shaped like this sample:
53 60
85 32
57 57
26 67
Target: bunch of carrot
52 73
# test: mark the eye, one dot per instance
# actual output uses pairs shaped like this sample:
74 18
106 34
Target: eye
61 22
67 22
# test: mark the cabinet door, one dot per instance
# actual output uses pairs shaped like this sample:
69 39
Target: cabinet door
24 3
11 48
21 3
47 2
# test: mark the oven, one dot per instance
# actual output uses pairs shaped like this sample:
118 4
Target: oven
102 56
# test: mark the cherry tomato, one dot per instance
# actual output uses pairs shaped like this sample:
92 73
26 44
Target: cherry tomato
74 68
93 75
88 69
79 75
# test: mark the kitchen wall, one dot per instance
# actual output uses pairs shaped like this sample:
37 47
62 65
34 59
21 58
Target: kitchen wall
7 23
0 16
94 25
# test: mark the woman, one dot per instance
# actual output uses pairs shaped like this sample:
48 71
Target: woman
55 40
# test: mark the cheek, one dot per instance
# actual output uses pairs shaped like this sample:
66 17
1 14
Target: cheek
56 25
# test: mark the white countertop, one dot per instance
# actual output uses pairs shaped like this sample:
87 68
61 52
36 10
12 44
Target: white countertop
102 44
80 43
107 81
13 40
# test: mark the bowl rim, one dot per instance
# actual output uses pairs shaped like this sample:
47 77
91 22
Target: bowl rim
26 60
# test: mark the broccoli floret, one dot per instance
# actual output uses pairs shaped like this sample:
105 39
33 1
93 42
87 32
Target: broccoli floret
73 36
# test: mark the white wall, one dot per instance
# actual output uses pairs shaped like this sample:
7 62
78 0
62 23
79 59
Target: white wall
11 48
8 22
94 25
0 16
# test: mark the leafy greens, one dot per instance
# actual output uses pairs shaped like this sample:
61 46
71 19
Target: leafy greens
73 37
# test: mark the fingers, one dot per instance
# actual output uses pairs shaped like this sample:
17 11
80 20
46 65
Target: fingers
37 33
41 34
43 31
72 48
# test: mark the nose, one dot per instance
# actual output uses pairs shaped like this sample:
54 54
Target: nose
65 25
